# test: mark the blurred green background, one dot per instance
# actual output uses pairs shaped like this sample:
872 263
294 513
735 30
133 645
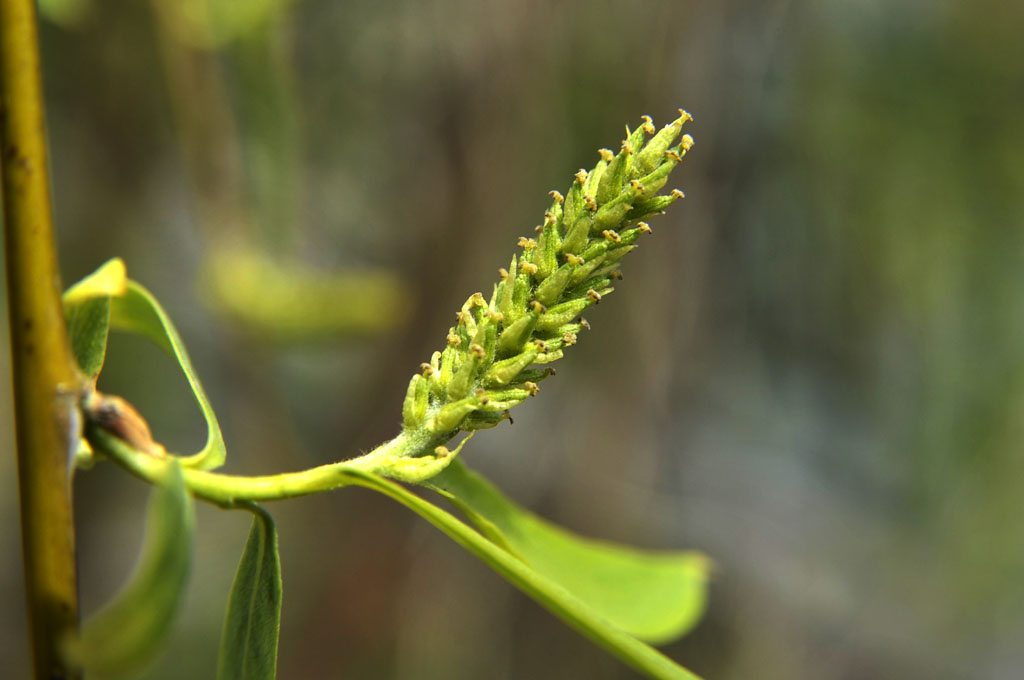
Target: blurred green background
825 389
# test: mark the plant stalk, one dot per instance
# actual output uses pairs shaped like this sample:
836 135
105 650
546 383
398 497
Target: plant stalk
44 376
391 459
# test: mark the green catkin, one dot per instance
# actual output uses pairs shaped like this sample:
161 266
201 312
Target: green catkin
496 351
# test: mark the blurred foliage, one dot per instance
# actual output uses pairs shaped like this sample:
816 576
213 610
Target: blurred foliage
828 399
281 300
211 24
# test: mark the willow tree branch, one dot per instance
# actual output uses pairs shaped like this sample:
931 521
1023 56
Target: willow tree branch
43 369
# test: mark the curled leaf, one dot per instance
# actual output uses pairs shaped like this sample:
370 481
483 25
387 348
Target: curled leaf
87 312
107 299
137 311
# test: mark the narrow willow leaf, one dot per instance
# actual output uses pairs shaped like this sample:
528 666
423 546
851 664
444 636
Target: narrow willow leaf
137 311
545 591
87 312
656 596
130 631
248 645
88 326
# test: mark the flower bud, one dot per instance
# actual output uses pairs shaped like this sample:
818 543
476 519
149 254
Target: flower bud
513 338
449 417
615 176
414 410
505 292
505 371
504 399
611 214
548 247
483 421
594 178
551 288
562 314
654 152
651 206
576 236
636 138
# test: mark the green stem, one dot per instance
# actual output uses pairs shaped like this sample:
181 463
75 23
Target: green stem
397 458
44 375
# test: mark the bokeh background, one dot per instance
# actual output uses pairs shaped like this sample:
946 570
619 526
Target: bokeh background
813 371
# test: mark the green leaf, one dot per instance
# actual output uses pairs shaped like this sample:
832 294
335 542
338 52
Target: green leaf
656 596
130 631
138 312
108 299
87 311
248 645
548 593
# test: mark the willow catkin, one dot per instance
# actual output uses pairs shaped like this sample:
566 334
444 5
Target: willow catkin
492 357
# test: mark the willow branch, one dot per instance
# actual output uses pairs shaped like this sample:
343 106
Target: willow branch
44 375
